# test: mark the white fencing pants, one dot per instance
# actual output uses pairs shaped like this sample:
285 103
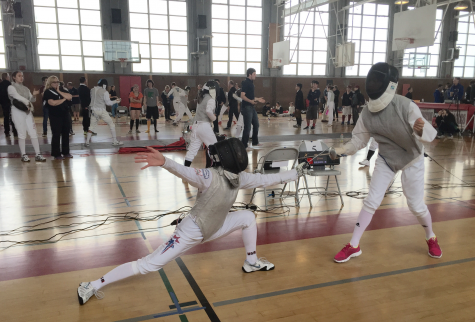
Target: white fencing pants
201 132
188 235
25 123
330 107
181 109
236 130
412 180
101 114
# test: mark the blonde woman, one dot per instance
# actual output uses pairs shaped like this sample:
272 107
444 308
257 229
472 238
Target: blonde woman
22 115
57 102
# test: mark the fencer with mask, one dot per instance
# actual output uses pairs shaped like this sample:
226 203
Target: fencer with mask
201 128
180 102
396 123
209 219
99 99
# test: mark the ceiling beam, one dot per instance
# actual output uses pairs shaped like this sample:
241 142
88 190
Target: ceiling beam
305 5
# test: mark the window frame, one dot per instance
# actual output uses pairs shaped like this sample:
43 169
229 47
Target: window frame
465 45
59 39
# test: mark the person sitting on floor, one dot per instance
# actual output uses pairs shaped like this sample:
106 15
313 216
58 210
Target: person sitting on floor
446 124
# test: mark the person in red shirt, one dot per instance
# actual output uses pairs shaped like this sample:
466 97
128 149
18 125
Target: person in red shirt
135 98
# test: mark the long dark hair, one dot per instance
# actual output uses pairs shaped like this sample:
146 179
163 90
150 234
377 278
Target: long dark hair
202 94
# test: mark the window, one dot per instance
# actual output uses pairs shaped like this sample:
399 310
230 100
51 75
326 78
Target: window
465 65
3 64
160 26
368 29
308 55
69 34
434 50
237 36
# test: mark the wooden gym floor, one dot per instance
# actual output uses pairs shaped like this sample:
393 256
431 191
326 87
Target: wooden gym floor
393 280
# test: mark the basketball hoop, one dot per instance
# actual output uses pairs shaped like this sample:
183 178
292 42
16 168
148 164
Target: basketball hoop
276 63
403 43
123 62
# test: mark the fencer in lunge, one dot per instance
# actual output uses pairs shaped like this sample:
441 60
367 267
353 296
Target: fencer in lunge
201 128
22 115
180 102
209 219
99 99
396 123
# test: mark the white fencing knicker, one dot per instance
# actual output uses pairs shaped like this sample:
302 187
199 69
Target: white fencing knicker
181 109
201 132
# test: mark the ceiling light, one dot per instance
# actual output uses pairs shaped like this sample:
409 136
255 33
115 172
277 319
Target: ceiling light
461 6
400 2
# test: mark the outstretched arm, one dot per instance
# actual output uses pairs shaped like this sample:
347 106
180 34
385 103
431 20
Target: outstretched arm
198 178
257 180
359 140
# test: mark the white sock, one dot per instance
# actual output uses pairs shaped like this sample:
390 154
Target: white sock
36 146
364 219
117 274
89 135
426 223
21 143
249 237
114 135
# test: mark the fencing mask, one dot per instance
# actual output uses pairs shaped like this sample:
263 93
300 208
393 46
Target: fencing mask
102 83
381 85
212 87
230 154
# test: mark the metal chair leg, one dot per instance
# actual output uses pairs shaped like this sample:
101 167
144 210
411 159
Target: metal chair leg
297 203
308 191
282 192
265 196
253 194
341 197
326 188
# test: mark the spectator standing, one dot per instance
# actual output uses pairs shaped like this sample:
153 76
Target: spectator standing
447 91
70 106
56 100
220 101
248 110
152 98
409 93
336 92
136 99
313 98
22 115
438 94
325 105
299 105
456 91
331 105
113 97
45 110
85 99
472 92
6 106
346 104
233 104
356 101
76 103
166 103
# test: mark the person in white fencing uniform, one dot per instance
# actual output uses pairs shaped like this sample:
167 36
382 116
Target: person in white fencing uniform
372 149
330 105
99 99
396 123
22 115
201 128
209 219
179 96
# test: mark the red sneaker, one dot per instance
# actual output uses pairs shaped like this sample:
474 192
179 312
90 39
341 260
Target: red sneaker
434 248
346 253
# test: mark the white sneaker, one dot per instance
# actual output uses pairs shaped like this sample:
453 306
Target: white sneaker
87 144
365 163
25 158
262 264
130 132
40 158
116 143
86 291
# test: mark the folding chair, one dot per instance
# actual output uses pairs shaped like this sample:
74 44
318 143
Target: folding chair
123 111
276 155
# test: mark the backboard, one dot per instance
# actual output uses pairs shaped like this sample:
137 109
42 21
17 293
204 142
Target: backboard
418 60
345 55
418 24
115 50
281 51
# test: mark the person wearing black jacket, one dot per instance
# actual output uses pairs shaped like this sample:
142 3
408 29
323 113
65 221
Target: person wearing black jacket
166 103
299 105
220 101
233 104
85 98
470 93
356 101
60 119
336 91
6 105
446 124
313 97
346 104
409 93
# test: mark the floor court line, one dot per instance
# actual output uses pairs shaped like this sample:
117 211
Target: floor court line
340 282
